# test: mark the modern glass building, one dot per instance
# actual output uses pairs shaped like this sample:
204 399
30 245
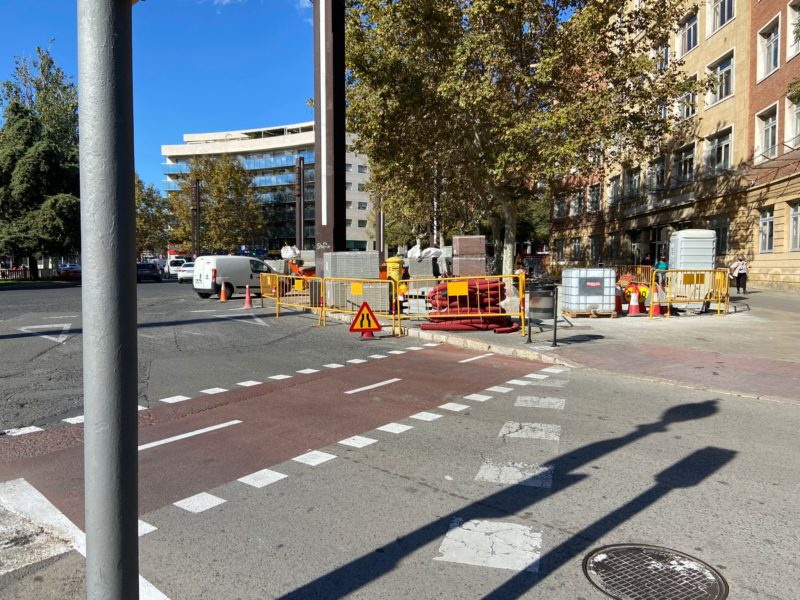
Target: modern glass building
269 154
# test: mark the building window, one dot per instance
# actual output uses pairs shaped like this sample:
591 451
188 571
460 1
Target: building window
684 164
560 207
362 222
559 250
348 167
362 168
595 243
766 228
722 73
655 175
767 134
768 49
362 206
595 191
792 124
361 187
632 182
576 204
615 189
688 34
348 185
719 151
720 226
576 249
687 106
792 42
348 204
662 57
794 227
722 12
613 246
348 222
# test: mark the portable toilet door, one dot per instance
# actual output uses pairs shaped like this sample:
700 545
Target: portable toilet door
692 250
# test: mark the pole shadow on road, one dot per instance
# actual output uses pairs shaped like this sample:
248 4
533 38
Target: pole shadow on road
688 472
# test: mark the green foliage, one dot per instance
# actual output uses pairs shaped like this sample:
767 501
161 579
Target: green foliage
230 212
152 219
477 99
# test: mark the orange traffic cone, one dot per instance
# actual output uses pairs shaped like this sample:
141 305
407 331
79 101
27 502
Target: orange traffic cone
655 303
367 335
248 301
223 294
633 304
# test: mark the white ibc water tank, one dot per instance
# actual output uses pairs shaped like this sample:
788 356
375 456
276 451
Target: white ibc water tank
584 290
692 249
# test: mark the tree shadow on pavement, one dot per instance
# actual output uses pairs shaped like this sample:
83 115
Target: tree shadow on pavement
509 501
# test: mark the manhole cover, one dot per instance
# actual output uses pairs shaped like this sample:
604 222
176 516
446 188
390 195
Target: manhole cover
641 572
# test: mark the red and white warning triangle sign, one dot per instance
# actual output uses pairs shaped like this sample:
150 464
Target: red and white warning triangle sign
364 320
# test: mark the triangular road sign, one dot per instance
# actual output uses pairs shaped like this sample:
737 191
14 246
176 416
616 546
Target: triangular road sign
60 339
364 320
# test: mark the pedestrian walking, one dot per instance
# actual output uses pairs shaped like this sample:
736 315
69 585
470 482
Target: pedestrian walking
661 265
738 272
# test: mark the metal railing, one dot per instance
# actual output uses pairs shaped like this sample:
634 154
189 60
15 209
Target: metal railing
15 273
688 286
293 291
346 295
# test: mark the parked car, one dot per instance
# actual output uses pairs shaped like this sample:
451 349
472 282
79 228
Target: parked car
186 272
234 272
147 271
173 264
69 271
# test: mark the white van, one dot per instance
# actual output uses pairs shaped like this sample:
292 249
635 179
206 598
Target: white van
235 272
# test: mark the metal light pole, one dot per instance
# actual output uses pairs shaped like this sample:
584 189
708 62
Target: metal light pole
108 233
299 196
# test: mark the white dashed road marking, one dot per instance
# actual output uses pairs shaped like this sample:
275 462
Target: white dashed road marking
477 397
314 458
454 406
373 386
22 430
262 478
211 391
414 348
513 473
536 376
533 431
279 377
498 389
426 416
356 361
492 544
377 356
333 366
397 352
432 344
540 402
394 428
358 441
145 528
480 356
554 370
248 383
174 399
189 434
199 502
308 371
74 420
559 383
518 382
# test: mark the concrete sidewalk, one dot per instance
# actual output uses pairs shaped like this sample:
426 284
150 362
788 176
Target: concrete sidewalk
753 351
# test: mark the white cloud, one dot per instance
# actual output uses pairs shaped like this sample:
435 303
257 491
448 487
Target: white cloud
226 2
303 4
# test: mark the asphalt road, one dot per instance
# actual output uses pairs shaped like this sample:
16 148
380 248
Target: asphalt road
325 467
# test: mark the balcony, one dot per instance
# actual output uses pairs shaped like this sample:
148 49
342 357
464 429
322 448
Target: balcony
275 162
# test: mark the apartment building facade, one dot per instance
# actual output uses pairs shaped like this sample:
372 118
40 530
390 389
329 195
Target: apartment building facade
733 173
269 154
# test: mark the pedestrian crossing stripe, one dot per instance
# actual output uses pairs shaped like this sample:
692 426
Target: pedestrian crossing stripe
364 320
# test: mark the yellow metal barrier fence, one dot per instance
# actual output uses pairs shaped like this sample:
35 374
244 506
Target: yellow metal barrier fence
477 297
638 273
687 286
294 291
346 295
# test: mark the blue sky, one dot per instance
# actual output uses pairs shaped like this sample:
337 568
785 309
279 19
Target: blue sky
199 65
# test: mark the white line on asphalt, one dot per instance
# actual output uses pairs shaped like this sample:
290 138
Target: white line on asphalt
356 361
199 502
61 317
536 376
499 389
533 431
396 352
308 371
377 356
262 478
212 391
454 406
477 397
554 370
314 458
495 544
139 407
333 366
248 383
358 441
540 402
432 344
514 473
279 377
373 386
174 399
426 416
22 430
24 499
205 310
480 356
74 420
559 383
145 528
189 434
518 382
394 428
414 348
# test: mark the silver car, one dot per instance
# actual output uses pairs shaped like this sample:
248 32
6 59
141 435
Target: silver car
186 272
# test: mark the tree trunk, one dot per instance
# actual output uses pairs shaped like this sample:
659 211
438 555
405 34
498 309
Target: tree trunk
497 242
510 237
33 267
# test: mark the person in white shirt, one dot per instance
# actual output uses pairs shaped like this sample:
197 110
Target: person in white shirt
739 274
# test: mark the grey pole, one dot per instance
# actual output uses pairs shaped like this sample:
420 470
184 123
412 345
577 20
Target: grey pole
109 298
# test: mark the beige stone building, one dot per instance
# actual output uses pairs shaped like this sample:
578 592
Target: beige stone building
735 172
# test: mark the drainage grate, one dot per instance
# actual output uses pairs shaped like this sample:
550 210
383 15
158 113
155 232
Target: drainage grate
641 572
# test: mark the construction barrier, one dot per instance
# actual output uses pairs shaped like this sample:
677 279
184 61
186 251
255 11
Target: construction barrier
687 286
475 302
637 273
346 295
293 291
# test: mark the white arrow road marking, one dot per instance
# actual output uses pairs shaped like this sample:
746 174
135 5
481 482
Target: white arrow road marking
249 319
62 337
